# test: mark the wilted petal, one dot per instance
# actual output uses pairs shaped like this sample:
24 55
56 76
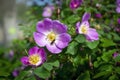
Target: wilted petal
40 39
53 48
59 27
92 35
25 60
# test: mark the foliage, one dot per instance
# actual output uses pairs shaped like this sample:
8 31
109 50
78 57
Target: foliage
81 60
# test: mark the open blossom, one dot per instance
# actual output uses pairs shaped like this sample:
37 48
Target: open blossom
36 56
84 28
118 6
48 10
75 4
52 34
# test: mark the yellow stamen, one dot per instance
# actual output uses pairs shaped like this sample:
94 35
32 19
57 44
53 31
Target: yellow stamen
84 29
51 36
34 59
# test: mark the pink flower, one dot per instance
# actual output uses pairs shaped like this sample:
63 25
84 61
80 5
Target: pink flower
84 28
48 10
36 57
52 34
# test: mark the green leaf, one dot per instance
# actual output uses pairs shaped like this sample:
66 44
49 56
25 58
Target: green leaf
48 66
102 73
117 70
108 55
22 75
72 48
55 63
30 78
93 44
73 19
113 77
107 43
84 76
80 38
42 72
117 58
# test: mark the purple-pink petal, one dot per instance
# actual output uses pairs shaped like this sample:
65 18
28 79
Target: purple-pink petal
46 14
48 11
59 27
92 35
53 48
25 60
33 50
63 40
118 9
42 54
75 4
77 27
44 26
118 20
115 55
40 39
86 17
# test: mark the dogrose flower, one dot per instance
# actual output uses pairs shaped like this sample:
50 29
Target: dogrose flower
84 28
36 56
118 6
52 34
75 3
48 10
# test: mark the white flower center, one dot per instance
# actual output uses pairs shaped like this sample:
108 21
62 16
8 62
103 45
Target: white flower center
84 29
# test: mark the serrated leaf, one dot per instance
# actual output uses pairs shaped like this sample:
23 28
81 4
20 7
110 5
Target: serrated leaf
73 19
107 43
22 74
108 55
84 76
72 48
100 74
30 78
80 38
93 44
113 77
42 72
55 63
47 66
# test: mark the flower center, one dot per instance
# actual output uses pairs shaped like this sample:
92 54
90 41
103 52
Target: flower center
75 5
34 59
48 10
84 29
51 36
